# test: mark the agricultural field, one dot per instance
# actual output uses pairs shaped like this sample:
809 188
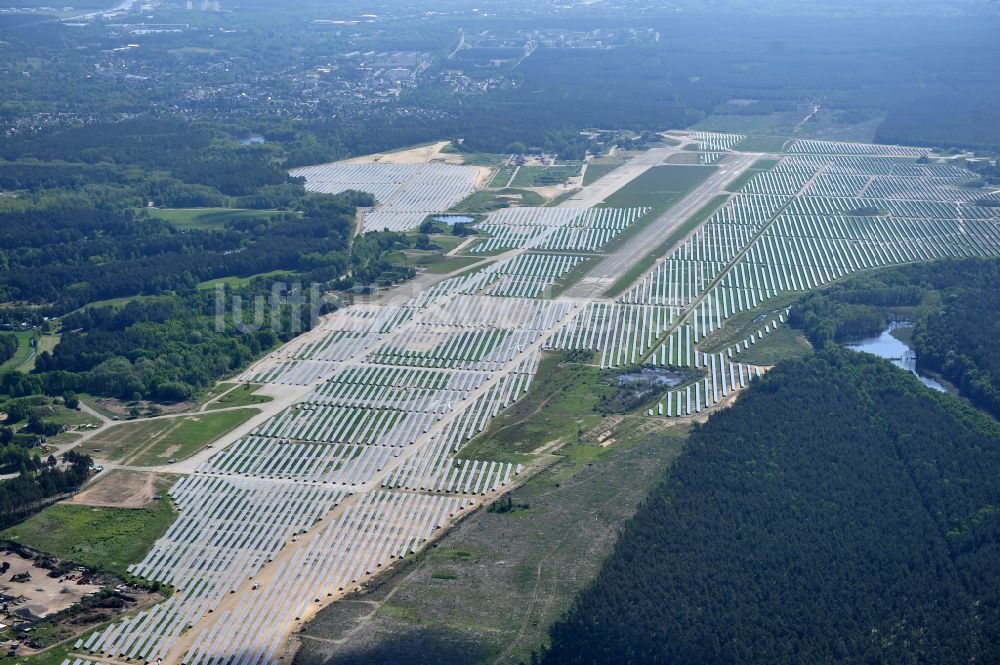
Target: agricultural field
404 417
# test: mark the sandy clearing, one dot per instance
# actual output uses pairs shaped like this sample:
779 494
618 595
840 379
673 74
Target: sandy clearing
119 489
425 155
43 595
419 155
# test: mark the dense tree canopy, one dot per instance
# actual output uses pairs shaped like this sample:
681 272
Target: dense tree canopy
838 513
952 304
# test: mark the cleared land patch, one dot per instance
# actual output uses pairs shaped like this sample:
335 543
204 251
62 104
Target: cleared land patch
488 590
154 442
245 395
108 539
207 218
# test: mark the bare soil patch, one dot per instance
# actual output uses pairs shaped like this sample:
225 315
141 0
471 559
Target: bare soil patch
36 594
119 489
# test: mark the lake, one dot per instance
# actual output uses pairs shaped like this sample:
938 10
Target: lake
888 347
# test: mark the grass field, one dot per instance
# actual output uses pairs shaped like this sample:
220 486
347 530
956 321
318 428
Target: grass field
598 169
446 264
239 281
207 218
689 158
762 143
783 343
543 176
572 277
24 358
559 404
659 185
502 177
107 539
59 414
772 123
24 351
244 395
488 201
153 442
488 591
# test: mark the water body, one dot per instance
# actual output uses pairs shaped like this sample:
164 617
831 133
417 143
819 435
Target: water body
454 219
888 347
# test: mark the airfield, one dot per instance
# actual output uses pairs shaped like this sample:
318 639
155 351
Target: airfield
357 461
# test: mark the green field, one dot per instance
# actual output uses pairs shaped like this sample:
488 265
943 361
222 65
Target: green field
502 177
447 264
598 169
244 395
24 351
107 539
24 358
153 442
659 185
488 201
543 176
781 343
207 218
572 277
760 166
473 597
59 414
763 143
239 281
689 158
560 402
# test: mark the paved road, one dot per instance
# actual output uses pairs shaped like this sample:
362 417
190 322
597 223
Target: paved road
615 265
601 189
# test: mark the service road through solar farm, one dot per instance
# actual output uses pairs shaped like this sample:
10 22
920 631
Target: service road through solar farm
356 463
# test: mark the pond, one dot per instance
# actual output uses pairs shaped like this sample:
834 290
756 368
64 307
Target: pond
454 219
888 347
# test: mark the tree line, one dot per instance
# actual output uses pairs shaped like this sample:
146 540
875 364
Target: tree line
950 304
838 513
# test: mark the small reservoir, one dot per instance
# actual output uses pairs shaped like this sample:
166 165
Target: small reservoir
889 347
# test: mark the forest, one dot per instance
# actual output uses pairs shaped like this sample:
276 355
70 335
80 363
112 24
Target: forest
67 254
79 235
838 513
37 480
946 301
8 347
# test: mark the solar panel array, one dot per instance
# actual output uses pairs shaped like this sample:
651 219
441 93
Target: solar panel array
555 229
406 193
368 464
